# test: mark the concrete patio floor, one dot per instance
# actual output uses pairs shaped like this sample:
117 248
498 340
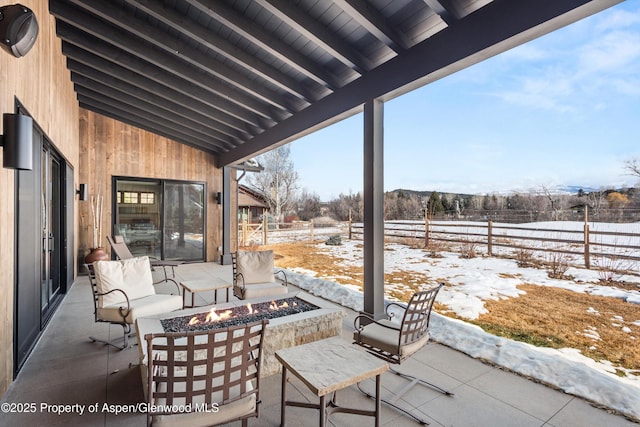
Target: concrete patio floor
67 368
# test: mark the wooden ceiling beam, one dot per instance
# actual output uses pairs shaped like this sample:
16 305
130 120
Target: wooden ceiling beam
88 24
273 46
205 37
374 23
82 62
317 33
175 119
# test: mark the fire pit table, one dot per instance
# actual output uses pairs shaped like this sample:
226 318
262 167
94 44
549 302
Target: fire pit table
322 320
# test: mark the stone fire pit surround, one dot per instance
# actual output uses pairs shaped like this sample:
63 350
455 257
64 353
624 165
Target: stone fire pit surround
282 332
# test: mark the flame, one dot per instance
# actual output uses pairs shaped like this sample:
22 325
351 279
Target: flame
212 316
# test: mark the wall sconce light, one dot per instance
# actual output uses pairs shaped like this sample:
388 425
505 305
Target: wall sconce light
17 141
18 29
83 192
218 197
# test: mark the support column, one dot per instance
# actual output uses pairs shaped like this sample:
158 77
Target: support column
374 208
225 257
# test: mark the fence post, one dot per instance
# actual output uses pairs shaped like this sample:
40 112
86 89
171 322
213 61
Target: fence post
244 232
490 238
426 230
349 223
265 229
587 256
311 230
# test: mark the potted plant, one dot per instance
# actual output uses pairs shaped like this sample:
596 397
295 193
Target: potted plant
96 252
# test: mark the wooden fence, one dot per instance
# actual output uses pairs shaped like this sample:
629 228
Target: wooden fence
264 233
577 239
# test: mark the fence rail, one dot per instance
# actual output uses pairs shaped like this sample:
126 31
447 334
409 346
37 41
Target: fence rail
587 241
264 233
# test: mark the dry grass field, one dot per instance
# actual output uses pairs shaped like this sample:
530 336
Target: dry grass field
602 328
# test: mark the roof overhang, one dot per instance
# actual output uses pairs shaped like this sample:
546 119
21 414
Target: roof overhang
238 78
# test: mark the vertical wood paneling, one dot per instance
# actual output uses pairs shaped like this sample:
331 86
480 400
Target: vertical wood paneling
42 83
141 154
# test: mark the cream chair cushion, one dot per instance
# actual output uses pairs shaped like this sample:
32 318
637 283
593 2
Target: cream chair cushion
219 414
146 306
133 276
256 266
260 290
386 339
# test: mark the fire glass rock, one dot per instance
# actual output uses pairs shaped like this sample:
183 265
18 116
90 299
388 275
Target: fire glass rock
239 315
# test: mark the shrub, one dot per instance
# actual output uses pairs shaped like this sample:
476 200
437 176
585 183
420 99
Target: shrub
334 241
557 264
524 258
469 249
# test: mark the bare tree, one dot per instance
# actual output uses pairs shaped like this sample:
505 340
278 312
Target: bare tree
633 167
277 182
347 206
308 205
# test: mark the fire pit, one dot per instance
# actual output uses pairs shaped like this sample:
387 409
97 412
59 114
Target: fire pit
217 317
309 319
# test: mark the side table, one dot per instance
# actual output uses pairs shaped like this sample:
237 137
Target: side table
325 367
195 286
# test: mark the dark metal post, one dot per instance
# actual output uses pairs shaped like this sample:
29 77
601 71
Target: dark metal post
373 208
225 257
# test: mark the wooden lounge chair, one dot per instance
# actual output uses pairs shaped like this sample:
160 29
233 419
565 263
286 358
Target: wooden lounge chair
254 275
123 291
122 251
204 378
396 342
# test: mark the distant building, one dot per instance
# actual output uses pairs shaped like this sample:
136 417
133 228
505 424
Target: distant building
251 205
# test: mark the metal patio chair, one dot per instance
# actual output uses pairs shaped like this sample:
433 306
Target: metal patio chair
395 342
254 275
122 251
123 291
204 378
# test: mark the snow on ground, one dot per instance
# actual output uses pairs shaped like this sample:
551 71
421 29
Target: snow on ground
480 279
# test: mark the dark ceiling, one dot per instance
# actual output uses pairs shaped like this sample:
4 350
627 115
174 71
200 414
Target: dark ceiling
236 77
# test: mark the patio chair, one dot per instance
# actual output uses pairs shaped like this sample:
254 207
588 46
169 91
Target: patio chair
395 342
254 275
204 378
123 291
122 251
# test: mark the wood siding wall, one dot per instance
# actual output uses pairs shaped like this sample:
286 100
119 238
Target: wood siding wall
110 148
42 83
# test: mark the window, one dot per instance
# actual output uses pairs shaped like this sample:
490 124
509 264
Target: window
163 219
129 197
147 198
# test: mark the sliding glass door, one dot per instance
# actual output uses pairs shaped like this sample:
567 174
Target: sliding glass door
51 226
184 217
162 219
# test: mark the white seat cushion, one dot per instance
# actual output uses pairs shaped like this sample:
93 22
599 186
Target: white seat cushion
150 305
197 418
133 276
258 290
387 339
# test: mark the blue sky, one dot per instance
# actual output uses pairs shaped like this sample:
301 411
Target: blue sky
561 110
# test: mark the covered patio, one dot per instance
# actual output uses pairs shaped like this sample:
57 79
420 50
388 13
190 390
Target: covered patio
186 91
66 368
